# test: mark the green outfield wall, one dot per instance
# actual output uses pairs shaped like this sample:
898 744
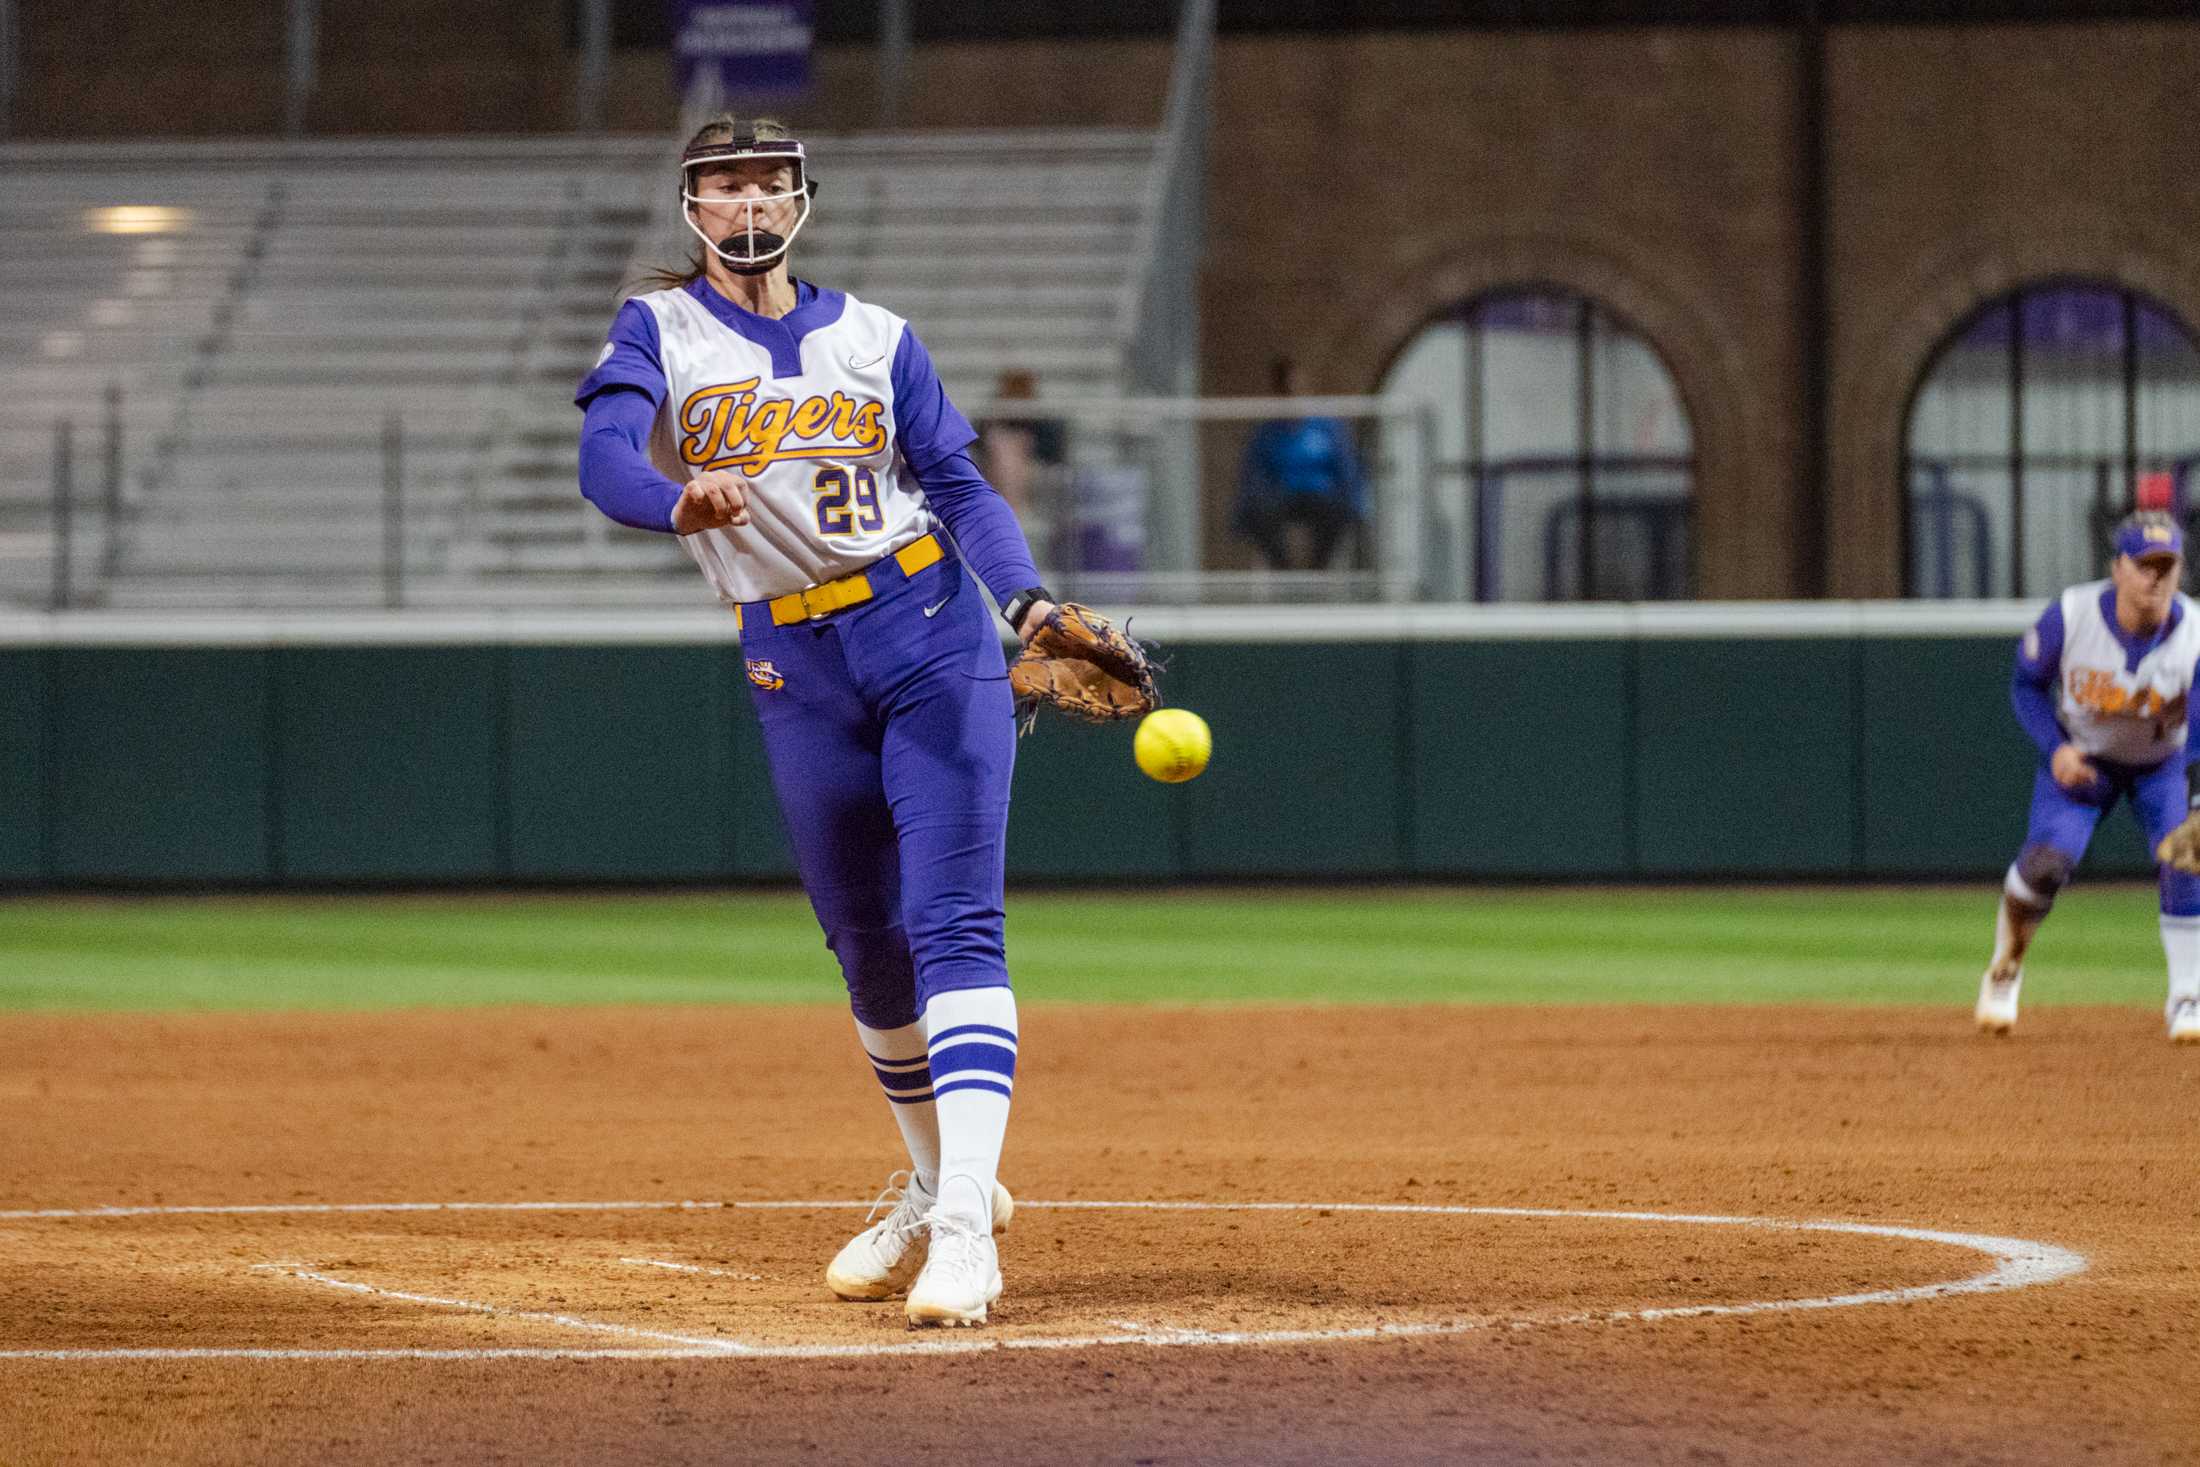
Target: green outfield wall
1424 756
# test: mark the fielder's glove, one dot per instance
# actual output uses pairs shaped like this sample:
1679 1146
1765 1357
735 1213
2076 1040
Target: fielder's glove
2181 847
1082 664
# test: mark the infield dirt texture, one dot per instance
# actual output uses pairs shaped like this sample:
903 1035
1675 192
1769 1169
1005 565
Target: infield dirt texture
651 1333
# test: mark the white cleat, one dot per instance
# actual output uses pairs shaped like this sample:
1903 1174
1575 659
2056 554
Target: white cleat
2184 1021
882 1260
961 1276
1997 1001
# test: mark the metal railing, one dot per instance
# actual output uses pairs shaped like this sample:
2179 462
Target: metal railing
1969 537
1160 312
1090 507
66 586
85 534
1606 526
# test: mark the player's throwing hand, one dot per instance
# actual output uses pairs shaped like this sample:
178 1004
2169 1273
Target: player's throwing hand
712 501
2072 770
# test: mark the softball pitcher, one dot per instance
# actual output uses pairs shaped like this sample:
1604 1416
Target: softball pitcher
2103 685
799 442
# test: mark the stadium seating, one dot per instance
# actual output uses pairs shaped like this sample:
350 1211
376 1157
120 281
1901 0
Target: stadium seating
298 304
91 300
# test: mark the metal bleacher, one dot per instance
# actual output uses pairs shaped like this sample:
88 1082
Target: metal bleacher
96 299
288 307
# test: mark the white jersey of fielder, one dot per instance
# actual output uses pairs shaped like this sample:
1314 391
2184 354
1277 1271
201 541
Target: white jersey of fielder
2130 712
805 406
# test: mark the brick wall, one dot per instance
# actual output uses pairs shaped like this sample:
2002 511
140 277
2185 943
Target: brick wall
1657 173
1360 185
129 68
1971 161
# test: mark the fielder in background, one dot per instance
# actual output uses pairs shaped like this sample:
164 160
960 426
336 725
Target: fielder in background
2103 685
799 442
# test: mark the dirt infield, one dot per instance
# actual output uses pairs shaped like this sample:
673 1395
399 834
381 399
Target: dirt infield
652 1333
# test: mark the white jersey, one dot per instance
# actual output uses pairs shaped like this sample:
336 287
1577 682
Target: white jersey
806 407
2118 700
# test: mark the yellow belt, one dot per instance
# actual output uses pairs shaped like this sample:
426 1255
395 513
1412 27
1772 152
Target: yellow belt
832 596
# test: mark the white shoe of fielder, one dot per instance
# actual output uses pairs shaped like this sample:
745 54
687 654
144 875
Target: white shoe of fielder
880 1261
2184 1021
962 1275
1997 1001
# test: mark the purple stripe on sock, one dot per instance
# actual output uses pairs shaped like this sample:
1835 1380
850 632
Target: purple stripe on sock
974 1057
975 1084
989 1031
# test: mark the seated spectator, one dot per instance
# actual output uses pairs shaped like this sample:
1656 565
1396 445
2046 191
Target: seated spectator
1023 457
1298 472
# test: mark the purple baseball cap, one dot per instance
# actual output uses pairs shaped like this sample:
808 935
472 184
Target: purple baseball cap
2141 541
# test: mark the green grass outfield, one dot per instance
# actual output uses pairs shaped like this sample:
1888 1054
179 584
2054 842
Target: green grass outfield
1271 945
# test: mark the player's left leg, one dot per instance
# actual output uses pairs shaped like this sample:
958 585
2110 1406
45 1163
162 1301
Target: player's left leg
2058 831
2161 803
947 756
821 743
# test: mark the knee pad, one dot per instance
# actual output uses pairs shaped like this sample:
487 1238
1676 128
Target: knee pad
881 978
2041 871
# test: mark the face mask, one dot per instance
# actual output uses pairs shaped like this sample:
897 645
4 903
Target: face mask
747 248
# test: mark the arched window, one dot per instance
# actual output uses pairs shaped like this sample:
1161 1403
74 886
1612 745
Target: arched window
2044 417
1564 465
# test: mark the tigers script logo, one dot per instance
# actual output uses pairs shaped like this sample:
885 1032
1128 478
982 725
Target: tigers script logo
2098 692
726 427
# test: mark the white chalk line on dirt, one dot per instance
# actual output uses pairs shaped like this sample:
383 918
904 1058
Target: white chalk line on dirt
2018 1263
716 1273
563 1321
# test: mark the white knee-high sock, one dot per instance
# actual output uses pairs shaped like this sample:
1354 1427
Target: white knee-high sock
2181 945
898 1059
971 1033
2017 919
2005 936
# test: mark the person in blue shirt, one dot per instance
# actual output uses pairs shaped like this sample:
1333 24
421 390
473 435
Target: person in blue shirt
1298 472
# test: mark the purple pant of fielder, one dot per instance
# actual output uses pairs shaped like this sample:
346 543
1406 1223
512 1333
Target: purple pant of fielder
2062 821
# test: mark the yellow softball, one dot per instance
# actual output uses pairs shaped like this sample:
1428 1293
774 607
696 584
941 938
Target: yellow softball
1172 744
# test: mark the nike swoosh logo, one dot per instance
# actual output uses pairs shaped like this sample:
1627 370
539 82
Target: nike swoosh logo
856 366
935 610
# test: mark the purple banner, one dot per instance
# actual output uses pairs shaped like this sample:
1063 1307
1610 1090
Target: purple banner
2077 320
753 47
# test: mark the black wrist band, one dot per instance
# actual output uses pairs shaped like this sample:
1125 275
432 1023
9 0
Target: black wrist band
1022 602
2192 786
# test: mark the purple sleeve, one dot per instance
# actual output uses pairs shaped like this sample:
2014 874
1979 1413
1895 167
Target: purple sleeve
927 427
632 358
983 526
2032 685
2192 721
616 473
